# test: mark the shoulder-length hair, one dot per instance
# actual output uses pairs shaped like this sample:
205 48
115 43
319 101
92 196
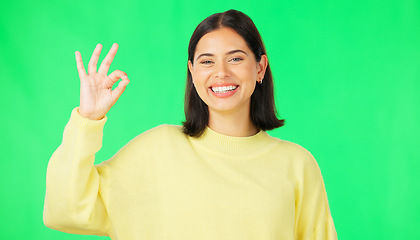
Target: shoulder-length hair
263 110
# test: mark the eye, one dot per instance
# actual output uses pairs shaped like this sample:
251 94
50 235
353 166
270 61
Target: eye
236 59
206 62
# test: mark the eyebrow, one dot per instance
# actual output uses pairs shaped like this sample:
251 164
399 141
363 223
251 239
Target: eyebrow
228 53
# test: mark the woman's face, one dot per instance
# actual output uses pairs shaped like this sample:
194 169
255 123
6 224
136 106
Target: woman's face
225 71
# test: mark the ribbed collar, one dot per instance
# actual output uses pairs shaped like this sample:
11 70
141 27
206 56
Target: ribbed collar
240 147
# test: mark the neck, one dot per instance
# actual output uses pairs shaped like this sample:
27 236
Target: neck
237 124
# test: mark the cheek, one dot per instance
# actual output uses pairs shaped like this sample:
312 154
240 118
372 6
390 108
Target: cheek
200 76
199 81
247 72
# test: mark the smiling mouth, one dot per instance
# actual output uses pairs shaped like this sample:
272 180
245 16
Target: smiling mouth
224 89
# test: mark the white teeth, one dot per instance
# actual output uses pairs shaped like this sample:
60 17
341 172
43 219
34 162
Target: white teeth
223 89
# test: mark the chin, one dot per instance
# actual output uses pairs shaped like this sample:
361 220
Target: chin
226 108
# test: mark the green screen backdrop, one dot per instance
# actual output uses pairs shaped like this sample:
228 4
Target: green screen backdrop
346 77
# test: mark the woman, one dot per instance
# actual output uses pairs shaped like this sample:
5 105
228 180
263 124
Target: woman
220 176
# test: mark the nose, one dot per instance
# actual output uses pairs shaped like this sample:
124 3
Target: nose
221 70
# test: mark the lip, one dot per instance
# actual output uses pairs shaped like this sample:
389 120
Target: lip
223 84
226 94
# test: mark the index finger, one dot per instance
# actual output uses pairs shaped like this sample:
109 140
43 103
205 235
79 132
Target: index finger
80 68
106 63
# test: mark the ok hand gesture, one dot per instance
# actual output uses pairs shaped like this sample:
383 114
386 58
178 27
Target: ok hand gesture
96 94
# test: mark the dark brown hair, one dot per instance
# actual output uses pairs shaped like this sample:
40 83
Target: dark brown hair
263 110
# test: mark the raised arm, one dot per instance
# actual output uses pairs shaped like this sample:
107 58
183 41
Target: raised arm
76 199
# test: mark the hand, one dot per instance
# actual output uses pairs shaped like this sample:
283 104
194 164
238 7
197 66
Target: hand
96 94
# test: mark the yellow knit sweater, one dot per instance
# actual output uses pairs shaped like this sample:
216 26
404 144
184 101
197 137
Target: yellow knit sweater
165 185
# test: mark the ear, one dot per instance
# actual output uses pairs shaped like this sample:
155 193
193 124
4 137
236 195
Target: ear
261 67
190 67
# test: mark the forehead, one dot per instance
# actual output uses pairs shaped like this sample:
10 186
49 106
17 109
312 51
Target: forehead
221 41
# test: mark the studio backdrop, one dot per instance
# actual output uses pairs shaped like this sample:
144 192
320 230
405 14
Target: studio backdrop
346 78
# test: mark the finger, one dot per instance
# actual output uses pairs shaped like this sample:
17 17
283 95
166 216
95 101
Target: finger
106 63
116 93
117 75
80 68
94 59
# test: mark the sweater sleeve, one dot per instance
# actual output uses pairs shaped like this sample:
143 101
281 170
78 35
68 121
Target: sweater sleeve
314 221
74 199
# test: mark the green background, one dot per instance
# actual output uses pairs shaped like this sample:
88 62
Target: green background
346 81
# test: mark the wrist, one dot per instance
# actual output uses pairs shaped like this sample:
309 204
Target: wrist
90 116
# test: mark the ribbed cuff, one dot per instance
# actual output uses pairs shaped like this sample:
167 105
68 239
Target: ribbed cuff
86 124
